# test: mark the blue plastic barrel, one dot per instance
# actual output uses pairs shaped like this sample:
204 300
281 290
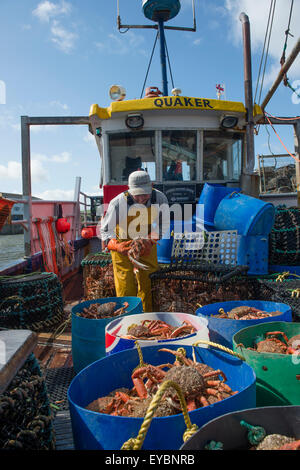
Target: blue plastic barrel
97 431
248 215
210 197
165 244
222 330
88 335
253 251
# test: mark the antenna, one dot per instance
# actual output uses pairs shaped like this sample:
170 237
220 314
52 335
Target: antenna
160 11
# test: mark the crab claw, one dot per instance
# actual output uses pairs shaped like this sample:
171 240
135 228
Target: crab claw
137 264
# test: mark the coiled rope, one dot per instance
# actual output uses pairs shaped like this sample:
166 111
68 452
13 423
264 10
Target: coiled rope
137 442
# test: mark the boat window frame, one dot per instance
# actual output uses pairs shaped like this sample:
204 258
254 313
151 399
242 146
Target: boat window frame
158 153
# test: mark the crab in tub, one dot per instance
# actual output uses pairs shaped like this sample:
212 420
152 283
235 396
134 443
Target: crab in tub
161 327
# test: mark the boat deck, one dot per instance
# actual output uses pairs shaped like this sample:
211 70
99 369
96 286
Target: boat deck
55 359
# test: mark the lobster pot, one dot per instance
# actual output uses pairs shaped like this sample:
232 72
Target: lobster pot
88 335
222 330
284 420
25 414
184 290
284 246
97 431
33 301
98 276
286 291
277 375
118 328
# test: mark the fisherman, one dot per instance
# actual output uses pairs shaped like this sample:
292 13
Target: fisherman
135 213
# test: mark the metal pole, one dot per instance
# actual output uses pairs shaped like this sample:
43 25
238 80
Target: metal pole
297 162
248 94
26 182
281 74
163 57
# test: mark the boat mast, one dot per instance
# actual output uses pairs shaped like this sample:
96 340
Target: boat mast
160 11
163 62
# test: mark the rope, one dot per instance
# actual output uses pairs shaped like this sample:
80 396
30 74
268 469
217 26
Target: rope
287 34
219 346
293 156
137 442
267 52
255 433
149 64
282 119
169 64
263 52
214 445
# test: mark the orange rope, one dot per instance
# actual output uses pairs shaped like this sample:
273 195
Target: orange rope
282 119
42 244
53 244
293 156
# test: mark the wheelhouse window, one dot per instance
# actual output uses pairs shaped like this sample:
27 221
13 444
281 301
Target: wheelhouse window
131 151
222 155
179 155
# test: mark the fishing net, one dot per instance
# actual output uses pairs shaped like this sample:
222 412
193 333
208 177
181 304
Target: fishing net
98 276
31 301
284 239
25 413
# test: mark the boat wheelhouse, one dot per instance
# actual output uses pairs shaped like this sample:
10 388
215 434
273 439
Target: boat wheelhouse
182 142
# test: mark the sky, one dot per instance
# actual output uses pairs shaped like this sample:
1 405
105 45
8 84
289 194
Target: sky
58 57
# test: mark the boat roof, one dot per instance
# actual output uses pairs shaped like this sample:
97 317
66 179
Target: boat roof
171 103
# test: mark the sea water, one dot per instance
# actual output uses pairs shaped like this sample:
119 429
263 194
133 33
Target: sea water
11 248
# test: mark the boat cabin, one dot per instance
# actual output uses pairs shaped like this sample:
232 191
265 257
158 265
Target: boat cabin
182 142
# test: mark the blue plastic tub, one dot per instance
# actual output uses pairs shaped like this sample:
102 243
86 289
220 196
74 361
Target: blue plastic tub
95 431
88 335
222 330
164 246
248 215
210 197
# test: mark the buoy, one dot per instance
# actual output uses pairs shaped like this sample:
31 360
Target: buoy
87 232
62 225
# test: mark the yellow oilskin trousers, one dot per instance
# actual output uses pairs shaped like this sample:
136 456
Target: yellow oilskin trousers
127 283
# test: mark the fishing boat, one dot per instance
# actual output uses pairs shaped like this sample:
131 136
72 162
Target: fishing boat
183 142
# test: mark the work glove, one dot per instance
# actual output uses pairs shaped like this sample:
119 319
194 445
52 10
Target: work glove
120 247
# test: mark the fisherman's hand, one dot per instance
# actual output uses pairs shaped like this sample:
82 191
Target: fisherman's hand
147 245
120 247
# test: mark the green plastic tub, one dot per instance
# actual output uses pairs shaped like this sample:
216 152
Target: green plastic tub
277 375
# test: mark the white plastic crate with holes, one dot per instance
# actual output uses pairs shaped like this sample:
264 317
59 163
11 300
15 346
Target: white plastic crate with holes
205 247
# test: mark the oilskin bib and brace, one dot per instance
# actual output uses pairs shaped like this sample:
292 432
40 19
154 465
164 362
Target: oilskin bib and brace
127 283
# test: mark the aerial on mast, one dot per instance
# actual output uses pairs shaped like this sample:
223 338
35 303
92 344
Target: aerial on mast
160 11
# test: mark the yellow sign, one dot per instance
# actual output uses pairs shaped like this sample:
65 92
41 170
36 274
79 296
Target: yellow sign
169 102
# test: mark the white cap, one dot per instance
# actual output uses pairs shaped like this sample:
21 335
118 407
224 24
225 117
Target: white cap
139 183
